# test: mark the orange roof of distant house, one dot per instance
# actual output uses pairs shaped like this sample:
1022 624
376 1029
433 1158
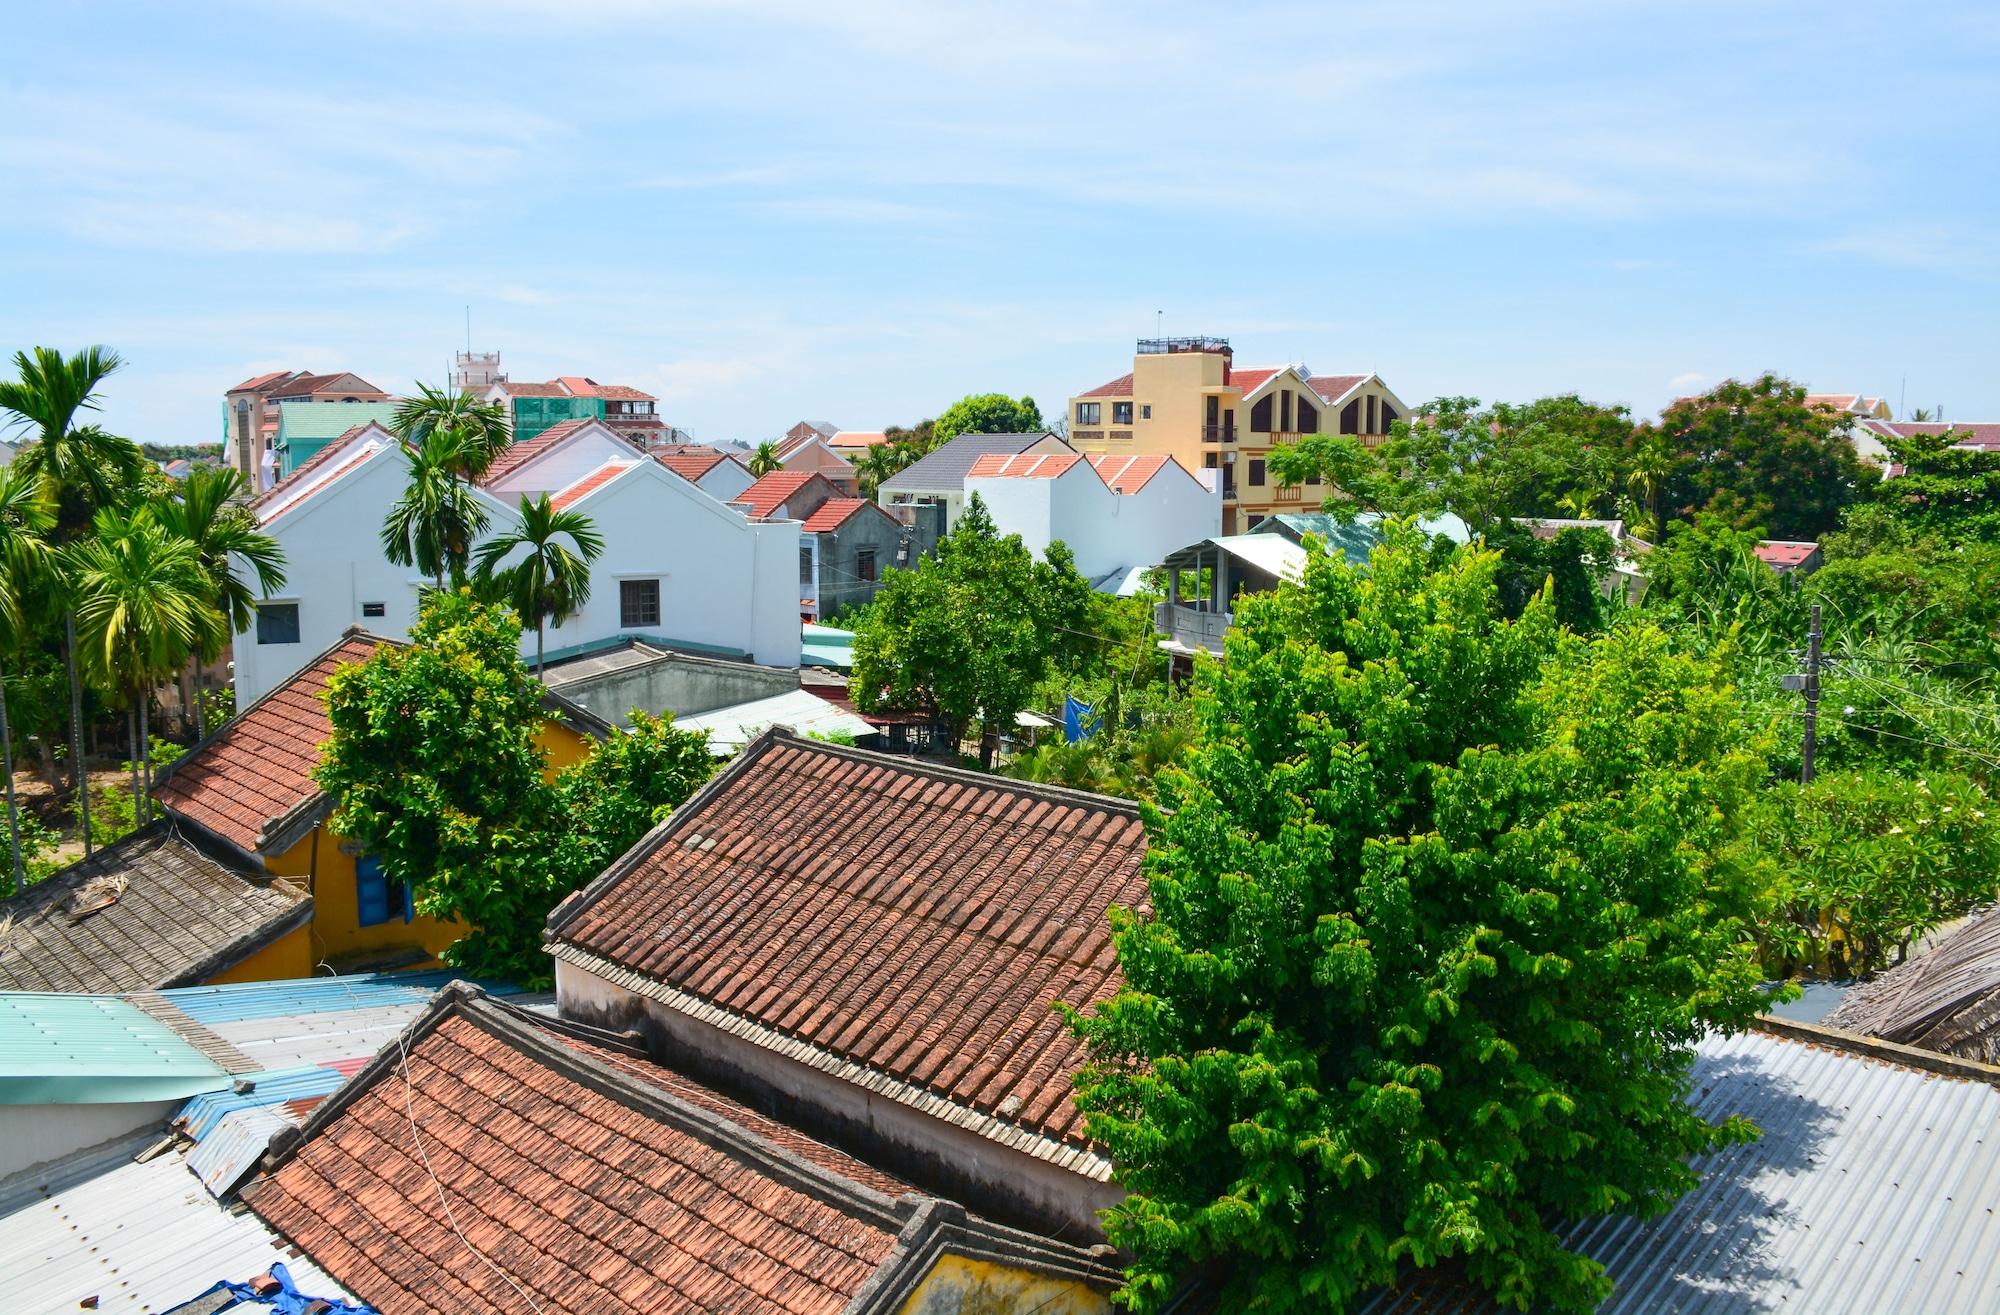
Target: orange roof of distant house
772 491
595 480
1981 435
513 457
1333 387
858 438
834 513
513 389
1251 379
261 381
1119 387
1784 554
259 767
1129 474
1024 465
691 461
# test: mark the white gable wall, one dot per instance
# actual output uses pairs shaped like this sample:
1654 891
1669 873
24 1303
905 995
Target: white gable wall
726 480
1105 531
563 464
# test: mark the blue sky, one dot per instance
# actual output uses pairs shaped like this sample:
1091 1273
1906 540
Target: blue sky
768 211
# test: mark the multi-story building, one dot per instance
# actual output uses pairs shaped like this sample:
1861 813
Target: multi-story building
1187 398
534 407
251 414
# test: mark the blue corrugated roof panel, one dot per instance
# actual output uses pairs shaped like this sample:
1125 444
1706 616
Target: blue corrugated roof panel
199 1116
309 995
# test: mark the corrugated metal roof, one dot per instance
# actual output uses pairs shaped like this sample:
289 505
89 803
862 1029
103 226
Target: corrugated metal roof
236 1142
314 1021
137 1237
729 729
1875 1187
311 420
93 1049
200 1116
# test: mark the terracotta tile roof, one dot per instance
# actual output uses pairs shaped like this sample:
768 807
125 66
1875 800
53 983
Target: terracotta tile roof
832 514
1838 401
261 381
577 385
1025 465
520 454
1785 554
589 1190
306 495
858 438
1965 434
1128 474
1333 387
590 483
181 918
1250 380
689 461
534 389
304 385
1119 387
259 766
771 491
308 470
855 909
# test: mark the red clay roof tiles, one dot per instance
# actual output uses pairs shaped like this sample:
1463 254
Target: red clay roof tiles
1250 380
573 1185
1119 387
690 461
832 514
772 491
590 483
1025 465
260 765
1333 387
917 921
310 468
516 455
1129 474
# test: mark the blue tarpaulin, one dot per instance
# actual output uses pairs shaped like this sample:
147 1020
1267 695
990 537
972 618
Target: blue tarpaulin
1080 721
287 1300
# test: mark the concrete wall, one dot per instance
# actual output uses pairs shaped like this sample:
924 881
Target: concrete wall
986 1177
679 684
35 1134
1106 530
839 558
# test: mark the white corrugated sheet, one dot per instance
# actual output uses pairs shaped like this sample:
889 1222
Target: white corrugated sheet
729 729
137 1237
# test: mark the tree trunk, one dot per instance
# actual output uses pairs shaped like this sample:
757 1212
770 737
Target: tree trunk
142 809
538 648
13 812
989 740
200 713
81 777
132 733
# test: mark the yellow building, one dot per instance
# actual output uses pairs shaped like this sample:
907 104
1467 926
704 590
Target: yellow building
249 789
1187 399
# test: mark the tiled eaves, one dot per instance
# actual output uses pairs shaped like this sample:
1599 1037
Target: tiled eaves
528 1034
939 1228
1079 1160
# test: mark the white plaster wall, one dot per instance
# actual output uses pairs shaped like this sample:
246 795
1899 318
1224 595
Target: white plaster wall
564 464
1106 531
35 1134
726 480
1020 506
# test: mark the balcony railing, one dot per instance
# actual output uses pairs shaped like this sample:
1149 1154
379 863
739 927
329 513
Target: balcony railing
1191 627
1121 436
1218 433
1288 493
1086 435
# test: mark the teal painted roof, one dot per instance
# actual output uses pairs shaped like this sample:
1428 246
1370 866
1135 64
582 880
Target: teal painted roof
307 421
93 1049
824 646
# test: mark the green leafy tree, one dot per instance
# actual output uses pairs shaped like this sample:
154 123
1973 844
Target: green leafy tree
765 460
208 513
986 413
965 636
551 580
1866 862
1439 907
1759 448
84 467
1351 474
432 526
25 517
1944 490
612 798
480 427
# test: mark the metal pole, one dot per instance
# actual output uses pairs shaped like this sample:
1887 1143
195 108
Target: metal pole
1812 701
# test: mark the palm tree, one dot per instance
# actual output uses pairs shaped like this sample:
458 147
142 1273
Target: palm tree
551 582
874 466
765 459
81 470
1922 415
1652 466
481 426
209 515
25 515
142 606
433 524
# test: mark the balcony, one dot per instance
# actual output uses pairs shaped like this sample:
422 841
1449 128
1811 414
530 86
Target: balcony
1191 627
1288 493
1218 433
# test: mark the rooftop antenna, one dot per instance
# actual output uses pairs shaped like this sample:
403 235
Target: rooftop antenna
1159 323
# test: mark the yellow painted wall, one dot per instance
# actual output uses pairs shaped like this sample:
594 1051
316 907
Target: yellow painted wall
287 957
959 1286
564 746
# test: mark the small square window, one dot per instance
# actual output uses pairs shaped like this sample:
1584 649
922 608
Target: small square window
1146 412
638 602
278 623
864 564
374 609
376 898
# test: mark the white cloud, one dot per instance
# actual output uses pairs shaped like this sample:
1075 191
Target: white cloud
1687 383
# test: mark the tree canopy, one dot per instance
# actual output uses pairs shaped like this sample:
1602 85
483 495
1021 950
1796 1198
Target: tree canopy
1440 904
986 413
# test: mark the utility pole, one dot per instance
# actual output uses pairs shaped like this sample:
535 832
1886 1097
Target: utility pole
1811 686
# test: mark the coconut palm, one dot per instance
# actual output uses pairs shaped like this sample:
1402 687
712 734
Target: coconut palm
480 426
1653 465
877 464
142 606
432 526
25 516
765 459
551 581
208 514
81 470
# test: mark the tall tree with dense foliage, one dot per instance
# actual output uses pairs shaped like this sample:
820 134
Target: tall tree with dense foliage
1439 908
765 460
551 580
25 517
480 427
1945 490
208 512
1759 451
968 634
432 526
436 770
986 413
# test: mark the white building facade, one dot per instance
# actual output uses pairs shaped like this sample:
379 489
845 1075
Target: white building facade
1117 514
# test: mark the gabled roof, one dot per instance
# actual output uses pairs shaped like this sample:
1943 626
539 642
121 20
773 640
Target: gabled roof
257 383
1027 465
1983 435
945 468
251 782
590 483
903 926
146 912
1250 379
1783 555
1119 387
772 491
314 471
1129 474
691 461
858 438
836 512
586 1179
516 455
1946 999
1336 387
